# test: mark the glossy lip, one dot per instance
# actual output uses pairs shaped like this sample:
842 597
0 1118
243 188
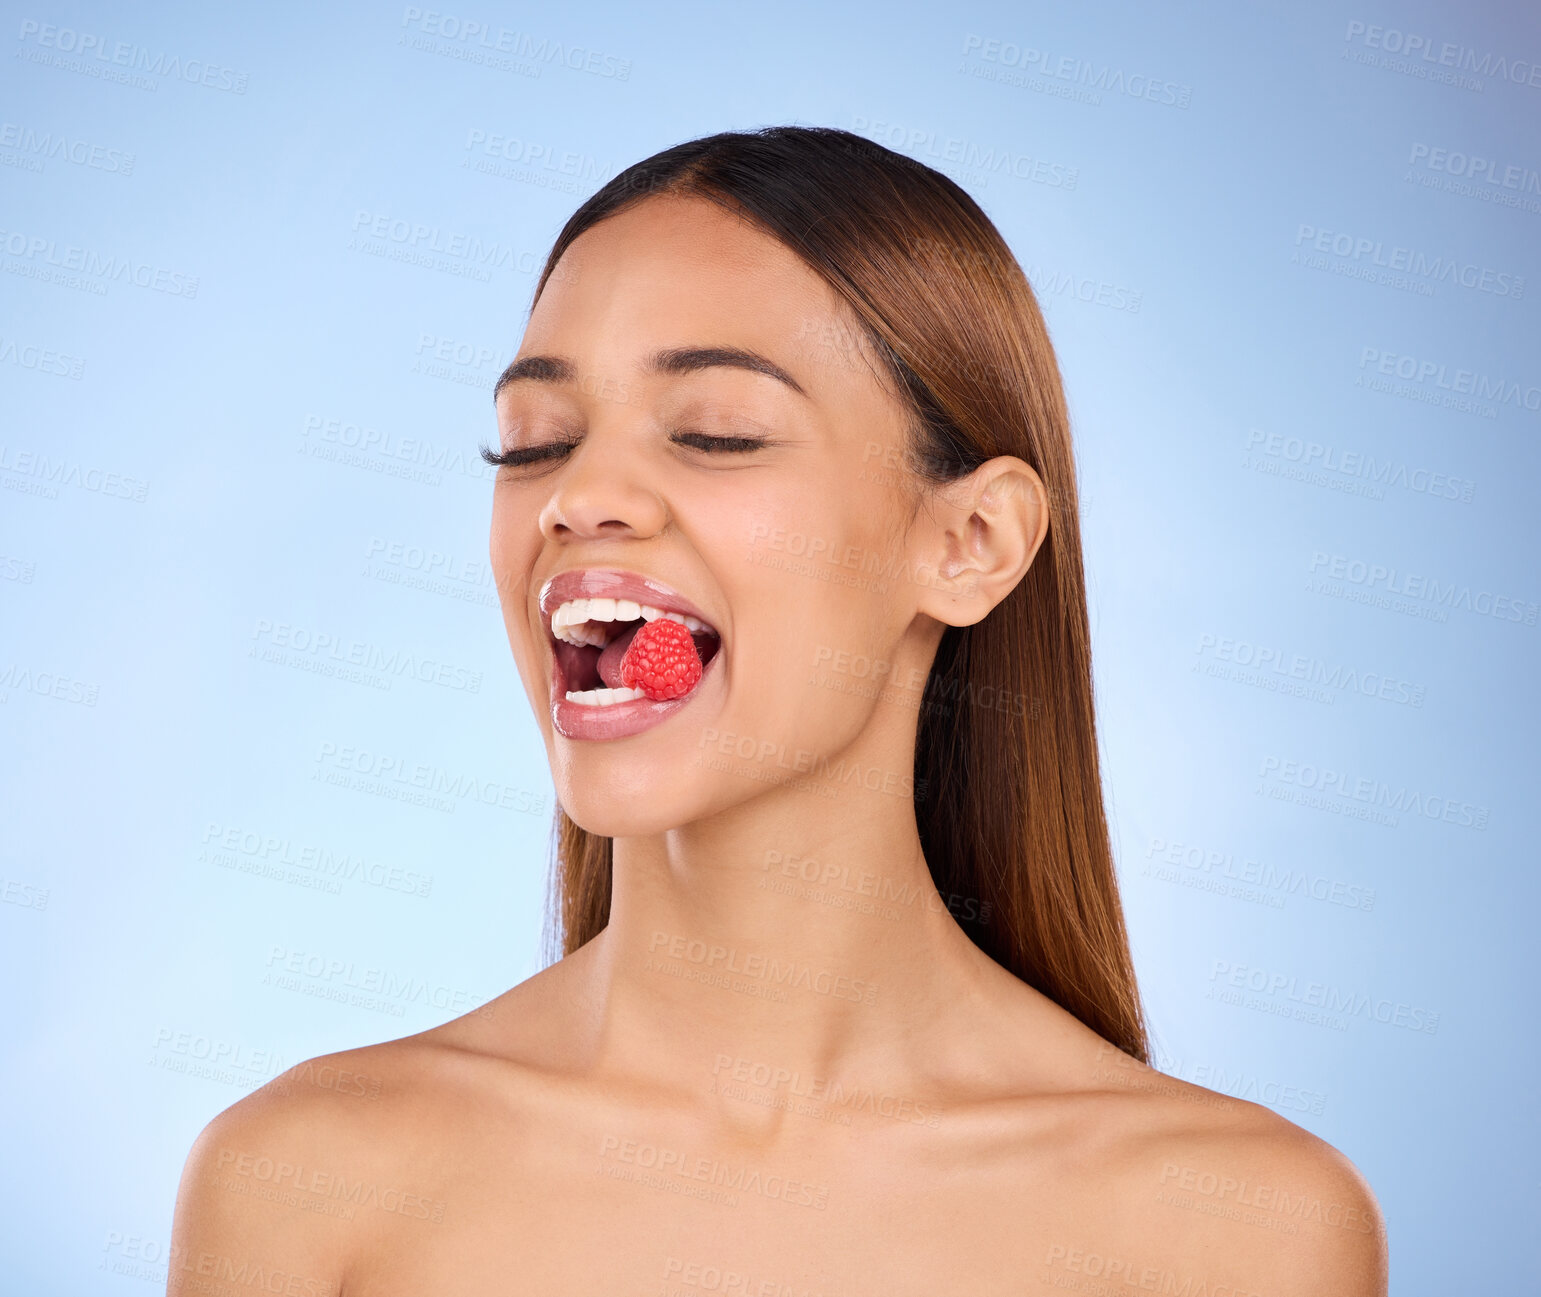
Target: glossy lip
620 720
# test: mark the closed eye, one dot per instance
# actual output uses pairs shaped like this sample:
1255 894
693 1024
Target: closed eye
522 455
701 441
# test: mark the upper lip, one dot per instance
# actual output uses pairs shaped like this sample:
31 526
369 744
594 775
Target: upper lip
612 583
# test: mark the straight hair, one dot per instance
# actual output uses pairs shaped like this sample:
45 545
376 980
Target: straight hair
1007 777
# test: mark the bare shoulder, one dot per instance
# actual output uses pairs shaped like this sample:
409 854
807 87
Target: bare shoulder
1270 1207
305 1175
274 1183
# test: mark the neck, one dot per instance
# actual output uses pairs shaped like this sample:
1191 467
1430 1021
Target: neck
799 930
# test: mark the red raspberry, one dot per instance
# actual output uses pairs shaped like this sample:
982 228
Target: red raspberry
661 660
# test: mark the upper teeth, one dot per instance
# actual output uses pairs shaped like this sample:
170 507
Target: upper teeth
571 621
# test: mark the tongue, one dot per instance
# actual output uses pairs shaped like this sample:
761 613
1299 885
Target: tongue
610 656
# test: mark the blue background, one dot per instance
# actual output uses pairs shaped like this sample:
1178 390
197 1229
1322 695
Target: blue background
219 493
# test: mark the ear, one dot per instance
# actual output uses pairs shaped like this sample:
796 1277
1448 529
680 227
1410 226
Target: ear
980 535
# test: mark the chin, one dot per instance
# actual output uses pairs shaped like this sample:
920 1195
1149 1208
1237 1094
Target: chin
617 808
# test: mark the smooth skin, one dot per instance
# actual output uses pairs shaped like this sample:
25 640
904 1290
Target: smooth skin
906 1117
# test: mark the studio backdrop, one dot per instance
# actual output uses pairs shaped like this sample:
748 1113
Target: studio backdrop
271 783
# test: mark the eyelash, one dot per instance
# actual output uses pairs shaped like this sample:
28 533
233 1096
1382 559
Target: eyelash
535 454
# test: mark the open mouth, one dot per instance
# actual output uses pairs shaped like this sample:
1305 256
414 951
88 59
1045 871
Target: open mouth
590 637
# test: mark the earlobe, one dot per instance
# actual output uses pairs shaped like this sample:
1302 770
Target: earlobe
988 527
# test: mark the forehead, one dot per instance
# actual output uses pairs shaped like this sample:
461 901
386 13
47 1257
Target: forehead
676 270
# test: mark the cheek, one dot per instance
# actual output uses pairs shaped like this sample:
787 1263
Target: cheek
511 547
812 585
505 516
805 670
511 552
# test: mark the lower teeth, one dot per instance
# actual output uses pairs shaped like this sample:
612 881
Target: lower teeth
603 697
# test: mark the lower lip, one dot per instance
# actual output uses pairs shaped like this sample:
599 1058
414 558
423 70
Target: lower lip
619 720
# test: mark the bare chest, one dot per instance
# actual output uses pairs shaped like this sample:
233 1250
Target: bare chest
622 1211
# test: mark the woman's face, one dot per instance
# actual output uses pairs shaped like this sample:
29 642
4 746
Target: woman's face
791 551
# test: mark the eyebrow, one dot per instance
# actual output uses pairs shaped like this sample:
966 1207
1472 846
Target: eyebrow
673 360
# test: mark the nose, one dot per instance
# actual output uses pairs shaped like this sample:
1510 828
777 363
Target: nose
600 493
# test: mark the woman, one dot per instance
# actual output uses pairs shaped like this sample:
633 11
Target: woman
785 535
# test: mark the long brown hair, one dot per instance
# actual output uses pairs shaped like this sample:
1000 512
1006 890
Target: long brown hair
1008 799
